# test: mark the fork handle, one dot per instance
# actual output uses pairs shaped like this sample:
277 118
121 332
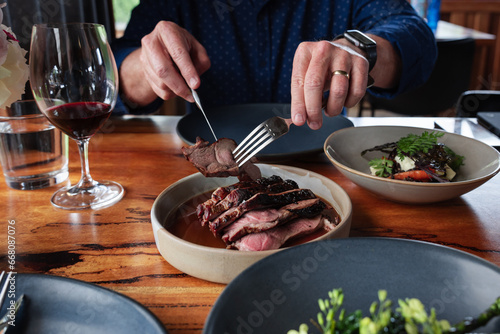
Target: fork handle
278 126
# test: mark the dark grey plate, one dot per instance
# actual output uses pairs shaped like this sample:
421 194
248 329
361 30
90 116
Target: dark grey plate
281 291
61 305
237 121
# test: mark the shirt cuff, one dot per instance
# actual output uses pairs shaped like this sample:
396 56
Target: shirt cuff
411 46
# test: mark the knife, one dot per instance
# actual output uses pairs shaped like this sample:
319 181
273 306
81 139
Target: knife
198 103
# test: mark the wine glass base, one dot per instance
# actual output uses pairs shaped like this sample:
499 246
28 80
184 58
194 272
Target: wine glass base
102 194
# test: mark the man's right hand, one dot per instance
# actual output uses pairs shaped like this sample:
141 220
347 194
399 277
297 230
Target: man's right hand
169 60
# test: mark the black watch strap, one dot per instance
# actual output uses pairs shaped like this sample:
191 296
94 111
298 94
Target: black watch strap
365 43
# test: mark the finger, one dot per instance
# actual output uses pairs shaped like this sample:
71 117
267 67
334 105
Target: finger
160 68
339 88
158 86
358 82
151 77
163 93
200 58
179 47
315 81
301 61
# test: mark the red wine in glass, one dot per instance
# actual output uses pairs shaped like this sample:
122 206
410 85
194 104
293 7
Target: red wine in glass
79 120
74 81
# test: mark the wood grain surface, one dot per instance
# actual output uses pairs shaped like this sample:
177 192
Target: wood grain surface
115 248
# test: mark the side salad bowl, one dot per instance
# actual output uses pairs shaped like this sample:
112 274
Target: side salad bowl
343 148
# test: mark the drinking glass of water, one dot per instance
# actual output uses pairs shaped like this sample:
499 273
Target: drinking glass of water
33 153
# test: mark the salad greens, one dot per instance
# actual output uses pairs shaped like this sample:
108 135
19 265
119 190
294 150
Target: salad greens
410 317
412 144
416 158
382 166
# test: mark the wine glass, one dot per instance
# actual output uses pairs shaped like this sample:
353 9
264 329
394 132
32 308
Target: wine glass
75 84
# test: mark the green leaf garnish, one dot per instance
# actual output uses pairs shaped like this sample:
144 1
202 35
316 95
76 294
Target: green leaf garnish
455 160
412 143
410 317
382 167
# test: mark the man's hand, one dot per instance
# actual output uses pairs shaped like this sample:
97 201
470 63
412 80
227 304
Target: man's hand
169 63
172 57
313 71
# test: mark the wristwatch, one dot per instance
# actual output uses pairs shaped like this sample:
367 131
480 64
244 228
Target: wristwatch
365 43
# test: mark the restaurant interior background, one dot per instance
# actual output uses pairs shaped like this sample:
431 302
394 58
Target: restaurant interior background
480 15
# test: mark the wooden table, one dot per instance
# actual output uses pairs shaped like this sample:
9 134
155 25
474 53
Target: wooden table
115 248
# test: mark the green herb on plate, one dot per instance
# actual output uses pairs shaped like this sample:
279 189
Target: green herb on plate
410 317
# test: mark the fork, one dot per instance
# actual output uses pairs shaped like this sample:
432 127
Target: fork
268 131
3 294
5 285
4 321
264 134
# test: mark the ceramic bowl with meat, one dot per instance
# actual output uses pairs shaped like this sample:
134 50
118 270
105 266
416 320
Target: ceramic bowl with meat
215 223
412 165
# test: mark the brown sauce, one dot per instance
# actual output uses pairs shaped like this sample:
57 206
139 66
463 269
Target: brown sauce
184 223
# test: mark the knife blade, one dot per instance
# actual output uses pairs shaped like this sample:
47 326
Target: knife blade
198 103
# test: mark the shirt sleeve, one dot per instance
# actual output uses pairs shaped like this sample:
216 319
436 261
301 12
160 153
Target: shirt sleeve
408 33
142 21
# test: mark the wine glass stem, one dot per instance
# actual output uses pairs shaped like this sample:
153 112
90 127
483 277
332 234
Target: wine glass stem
86 180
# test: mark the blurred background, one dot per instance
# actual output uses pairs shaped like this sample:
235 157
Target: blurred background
482 16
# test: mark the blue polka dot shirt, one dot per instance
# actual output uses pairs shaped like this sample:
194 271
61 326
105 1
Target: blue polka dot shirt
251 43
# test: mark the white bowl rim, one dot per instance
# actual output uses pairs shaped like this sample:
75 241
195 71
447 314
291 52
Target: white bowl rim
157 225
416 184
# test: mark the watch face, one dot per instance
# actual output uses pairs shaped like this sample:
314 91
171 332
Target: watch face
359 39
365 43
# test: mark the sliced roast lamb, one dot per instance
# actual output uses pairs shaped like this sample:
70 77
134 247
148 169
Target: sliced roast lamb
221 192
212 208
259 201
266 219
276 237
256 213
262 184
216 160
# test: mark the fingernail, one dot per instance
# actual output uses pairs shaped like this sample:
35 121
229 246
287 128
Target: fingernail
314 125
193 82
299 118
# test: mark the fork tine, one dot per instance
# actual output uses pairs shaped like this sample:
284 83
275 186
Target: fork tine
270 130
249 156
242 145
254 141
262 136
5 285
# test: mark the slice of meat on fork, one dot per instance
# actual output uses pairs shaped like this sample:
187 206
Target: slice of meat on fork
216 160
